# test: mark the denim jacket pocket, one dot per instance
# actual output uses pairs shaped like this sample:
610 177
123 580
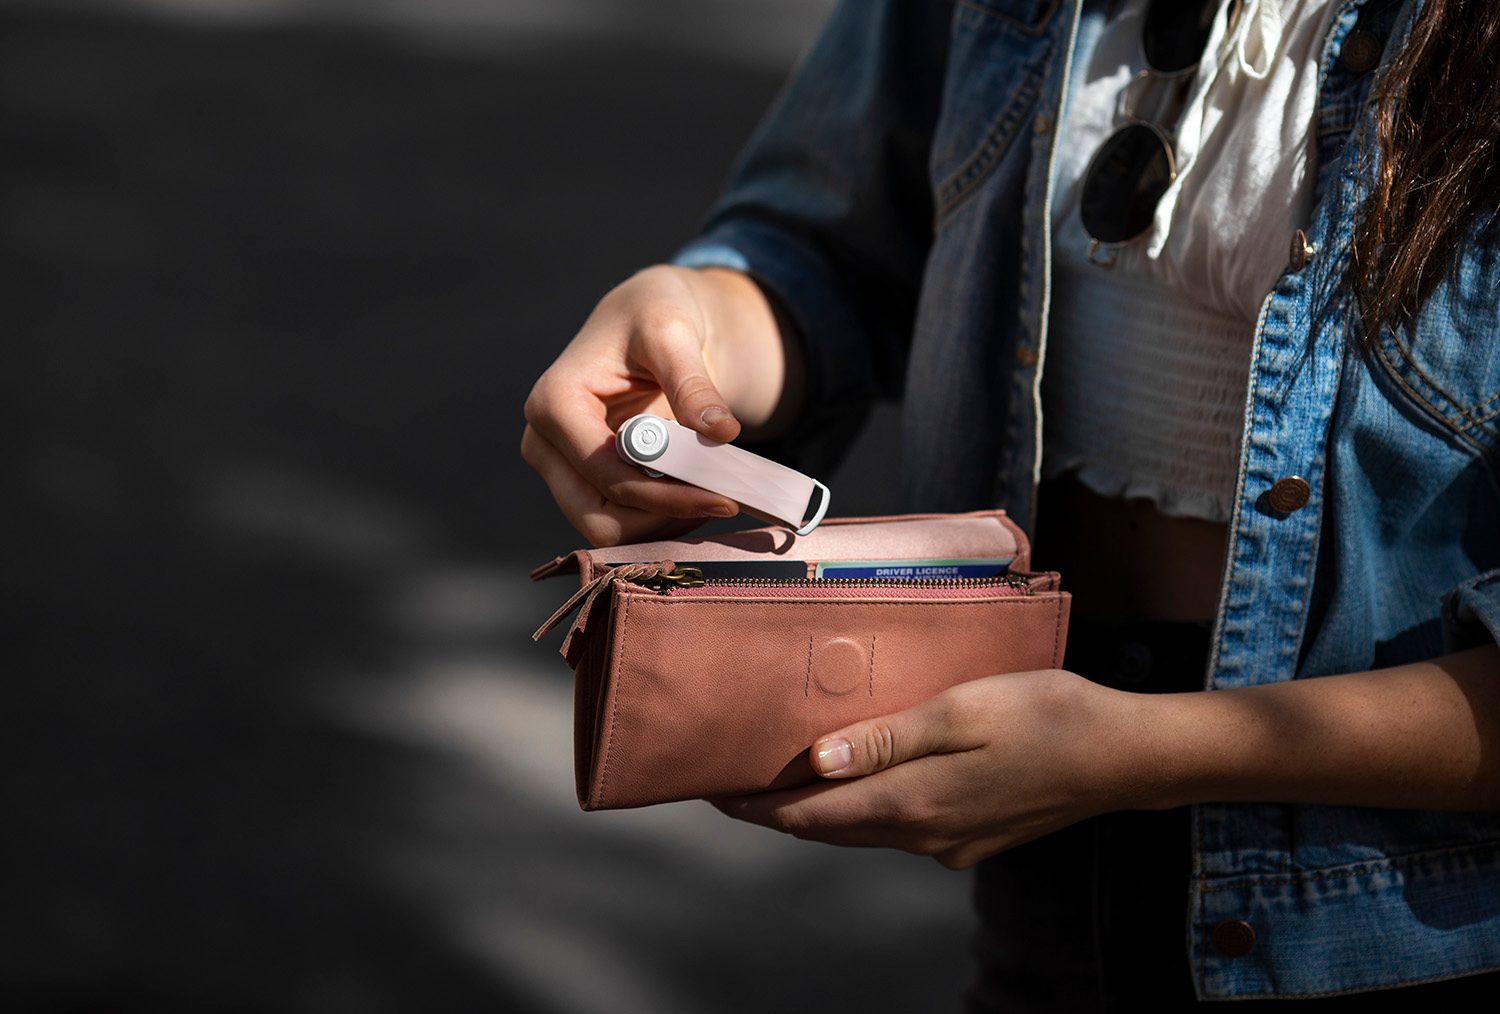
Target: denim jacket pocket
1448 363
997 61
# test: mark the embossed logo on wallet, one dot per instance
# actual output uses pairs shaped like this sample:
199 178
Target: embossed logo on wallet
840 665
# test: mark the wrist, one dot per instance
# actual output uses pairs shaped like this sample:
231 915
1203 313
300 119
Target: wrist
1121 760
1176 750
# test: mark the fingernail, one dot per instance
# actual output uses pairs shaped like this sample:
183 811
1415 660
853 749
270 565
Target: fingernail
714 414
721 510
833 756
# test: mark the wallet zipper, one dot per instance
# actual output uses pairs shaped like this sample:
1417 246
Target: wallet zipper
692 577
666 577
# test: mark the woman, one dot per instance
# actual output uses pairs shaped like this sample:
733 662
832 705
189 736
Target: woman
1177 208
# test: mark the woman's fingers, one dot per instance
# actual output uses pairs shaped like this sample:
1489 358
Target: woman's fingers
573 428
824 808
879 743
886 811
601 521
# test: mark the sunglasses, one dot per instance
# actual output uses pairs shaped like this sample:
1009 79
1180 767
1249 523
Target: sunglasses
1135 165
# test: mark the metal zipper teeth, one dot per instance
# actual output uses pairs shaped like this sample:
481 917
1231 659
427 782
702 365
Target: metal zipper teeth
1006 580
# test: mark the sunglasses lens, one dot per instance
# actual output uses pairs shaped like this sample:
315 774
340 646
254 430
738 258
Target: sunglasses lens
1176 32
1124 182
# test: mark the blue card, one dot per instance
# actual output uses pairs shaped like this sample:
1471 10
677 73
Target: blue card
915 570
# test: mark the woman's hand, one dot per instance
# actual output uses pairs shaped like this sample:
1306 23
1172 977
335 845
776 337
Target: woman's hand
981 767
700 346
992 763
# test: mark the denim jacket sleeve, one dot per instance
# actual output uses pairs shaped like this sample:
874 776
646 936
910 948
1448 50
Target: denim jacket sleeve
1471 611
829 208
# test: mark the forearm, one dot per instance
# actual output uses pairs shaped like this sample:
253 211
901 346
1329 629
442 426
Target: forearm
1420 736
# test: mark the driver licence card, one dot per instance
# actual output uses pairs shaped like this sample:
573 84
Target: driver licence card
915 570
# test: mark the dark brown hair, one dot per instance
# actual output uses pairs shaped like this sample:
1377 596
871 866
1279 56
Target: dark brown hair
1437 122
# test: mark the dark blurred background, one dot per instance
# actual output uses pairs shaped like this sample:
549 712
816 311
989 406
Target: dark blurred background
276 276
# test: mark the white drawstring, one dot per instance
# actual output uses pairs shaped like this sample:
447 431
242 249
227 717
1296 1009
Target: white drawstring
1258 37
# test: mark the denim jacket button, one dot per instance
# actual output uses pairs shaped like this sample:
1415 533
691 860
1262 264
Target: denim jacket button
1301 252
1042 123
1289 494
1360 51
1234 938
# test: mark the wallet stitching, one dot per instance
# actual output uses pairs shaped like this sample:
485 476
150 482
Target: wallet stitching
872 665
1057 636
614 703
807 679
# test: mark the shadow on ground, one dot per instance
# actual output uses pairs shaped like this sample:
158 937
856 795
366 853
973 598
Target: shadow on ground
274 738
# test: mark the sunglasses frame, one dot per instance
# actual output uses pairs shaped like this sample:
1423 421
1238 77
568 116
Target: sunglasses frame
1111 247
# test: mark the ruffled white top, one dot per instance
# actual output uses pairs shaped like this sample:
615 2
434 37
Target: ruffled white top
1148 359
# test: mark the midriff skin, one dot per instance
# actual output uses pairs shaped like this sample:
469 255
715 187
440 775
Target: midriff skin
1124 559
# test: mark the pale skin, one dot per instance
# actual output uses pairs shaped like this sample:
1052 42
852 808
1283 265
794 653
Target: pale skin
998 761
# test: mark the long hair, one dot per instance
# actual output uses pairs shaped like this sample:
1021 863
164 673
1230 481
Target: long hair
1437 123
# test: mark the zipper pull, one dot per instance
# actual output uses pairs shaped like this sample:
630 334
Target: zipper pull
1017 581
591 591
678 577
548 569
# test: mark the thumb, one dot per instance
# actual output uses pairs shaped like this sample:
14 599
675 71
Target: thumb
696 403
879 743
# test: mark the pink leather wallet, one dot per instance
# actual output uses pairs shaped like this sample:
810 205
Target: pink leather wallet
708 665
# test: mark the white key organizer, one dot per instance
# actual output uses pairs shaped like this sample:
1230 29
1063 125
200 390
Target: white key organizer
763 488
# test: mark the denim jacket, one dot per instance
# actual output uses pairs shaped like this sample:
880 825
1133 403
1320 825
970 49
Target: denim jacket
896 204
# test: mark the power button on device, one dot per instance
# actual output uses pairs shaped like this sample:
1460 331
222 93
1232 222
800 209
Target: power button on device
645 438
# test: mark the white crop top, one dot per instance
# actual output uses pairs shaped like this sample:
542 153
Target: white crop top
1148 359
